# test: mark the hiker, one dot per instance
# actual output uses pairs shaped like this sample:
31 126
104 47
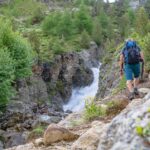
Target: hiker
130 59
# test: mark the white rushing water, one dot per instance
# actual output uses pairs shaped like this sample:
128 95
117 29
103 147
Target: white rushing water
79 95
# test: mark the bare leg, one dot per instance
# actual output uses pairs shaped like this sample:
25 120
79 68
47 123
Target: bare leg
130 86
136 82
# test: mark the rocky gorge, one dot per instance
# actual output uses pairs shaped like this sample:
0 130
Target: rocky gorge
113 133
40 98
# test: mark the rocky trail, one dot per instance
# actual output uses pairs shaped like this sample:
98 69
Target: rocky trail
114 132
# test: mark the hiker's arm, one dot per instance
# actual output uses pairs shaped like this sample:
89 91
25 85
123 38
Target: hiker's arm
142 56
121 63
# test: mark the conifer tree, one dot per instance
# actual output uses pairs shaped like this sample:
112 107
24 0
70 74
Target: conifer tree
142 21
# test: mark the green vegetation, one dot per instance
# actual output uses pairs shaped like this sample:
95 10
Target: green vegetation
143 131
115 106
121 86
93 111
111 108
6 76
37 132
15 59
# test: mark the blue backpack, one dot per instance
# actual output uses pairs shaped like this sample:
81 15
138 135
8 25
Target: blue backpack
131 53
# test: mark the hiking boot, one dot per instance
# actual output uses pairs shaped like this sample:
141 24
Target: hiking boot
131 96
136 92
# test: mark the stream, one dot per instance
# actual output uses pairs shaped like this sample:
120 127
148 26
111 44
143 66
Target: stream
80 95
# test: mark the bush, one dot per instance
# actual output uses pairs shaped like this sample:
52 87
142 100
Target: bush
20 51
115 106
83 20
85 40
6 76
37 132
97 35
147 52
93 111
15 59
19 8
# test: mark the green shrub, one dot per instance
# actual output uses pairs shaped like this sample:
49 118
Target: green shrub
83 20
97 35
147 52
6 76
85 40
20 51
51 23
15 59
121 86
37 132
143 131
19 8
115 106
92 110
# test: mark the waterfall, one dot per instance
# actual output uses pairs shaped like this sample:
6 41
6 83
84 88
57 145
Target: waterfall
77 100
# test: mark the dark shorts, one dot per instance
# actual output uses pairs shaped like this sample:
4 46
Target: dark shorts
132 71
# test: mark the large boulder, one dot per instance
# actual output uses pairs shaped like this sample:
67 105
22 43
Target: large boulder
55 133
90 139
122 131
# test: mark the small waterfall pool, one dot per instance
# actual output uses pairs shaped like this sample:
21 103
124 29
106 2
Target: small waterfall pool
79 95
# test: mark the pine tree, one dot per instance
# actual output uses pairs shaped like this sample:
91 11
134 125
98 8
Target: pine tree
85 40
83 20
97 35
141 24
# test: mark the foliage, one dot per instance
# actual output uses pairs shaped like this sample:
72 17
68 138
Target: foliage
115 106
143 131
15 59
147 52
85 40
20 8
97 35
92 110
37 132
6 76
141 22
83 20
121 86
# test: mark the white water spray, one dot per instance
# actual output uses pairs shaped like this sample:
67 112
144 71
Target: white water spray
77 100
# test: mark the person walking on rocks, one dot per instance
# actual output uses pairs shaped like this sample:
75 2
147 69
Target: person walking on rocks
130 59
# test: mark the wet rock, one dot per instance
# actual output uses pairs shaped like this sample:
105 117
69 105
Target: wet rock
55 133
82 77
45 119
109 79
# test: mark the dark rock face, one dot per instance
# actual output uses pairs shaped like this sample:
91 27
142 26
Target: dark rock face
82 77
109 79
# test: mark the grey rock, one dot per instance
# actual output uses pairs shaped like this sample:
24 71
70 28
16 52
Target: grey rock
147 96
14 139
1 145
45 119
144 90
121 132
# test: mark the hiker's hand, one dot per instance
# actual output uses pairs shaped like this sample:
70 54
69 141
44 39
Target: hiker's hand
121 73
